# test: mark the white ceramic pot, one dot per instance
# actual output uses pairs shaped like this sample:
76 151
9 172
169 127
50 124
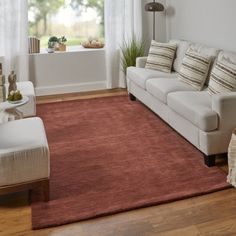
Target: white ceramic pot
50 50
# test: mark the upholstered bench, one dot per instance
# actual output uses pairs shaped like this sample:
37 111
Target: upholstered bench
24 156
27 89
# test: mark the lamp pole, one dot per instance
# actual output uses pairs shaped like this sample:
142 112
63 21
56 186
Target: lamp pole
154 7
154 24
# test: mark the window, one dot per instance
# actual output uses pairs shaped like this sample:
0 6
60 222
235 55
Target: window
77 20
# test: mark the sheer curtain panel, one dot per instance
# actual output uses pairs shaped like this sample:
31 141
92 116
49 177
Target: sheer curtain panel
14 37
123 18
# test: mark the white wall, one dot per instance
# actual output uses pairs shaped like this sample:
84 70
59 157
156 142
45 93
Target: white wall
211 22
68 72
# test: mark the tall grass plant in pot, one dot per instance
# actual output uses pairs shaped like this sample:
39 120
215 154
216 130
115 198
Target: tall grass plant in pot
130 50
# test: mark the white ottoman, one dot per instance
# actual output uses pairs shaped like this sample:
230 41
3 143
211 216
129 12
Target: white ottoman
27 89
24 156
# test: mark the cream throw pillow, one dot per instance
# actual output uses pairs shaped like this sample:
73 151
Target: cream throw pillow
222 78
194 69
161 56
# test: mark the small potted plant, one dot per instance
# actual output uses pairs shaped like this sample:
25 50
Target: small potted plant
61 41
52 44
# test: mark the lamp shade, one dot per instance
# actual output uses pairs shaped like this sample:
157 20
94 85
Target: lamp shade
154 6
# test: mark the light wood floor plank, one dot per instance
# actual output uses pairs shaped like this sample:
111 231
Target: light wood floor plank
81 95
221 227
191 230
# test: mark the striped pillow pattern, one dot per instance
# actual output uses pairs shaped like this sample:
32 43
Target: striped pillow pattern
194 69
222 78
161 56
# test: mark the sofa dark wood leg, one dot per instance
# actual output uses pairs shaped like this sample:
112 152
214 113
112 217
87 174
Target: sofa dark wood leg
46 190
210 160
132 97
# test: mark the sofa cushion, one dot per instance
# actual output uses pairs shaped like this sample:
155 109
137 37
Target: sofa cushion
194 69
227 56
161 56
195 107
209 51
24 153
160 88
223 78
140 75
182 47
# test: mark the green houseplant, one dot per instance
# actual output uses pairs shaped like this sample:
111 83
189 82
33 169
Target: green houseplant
61 41
130 50
52 44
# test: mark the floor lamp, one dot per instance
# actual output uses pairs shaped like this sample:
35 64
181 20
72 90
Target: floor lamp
154 7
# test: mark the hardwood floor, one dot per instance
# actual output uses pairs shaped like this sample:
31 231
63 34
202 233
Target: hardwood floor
212 214
81 95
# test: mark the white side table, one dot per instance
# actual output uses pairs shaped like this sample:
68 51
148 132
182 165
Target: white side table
231 178
9 112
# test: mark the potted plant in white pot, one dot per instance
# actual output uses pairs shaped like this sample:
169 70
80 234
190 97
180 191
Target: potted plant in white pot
52 44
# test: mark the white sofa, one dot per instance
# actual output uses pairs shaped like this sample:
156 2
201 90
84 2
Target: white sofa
204 120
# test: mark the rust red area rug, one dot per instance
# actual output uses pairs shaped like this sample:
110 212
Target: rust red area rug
110 155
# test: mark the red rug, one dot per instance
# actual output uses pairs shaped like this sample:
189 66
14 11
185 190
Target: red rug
110 155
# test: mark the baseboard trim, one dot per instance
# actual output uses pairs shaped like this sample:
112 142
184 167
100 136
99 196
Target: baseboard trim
70 88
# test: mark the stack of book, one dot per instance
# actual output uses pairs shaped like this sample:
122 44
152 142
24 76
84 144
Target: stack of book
34 45
2 87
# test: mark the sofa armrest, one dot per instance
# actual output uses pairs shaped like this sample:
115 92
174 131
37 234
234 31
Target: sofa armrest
225 106
141 62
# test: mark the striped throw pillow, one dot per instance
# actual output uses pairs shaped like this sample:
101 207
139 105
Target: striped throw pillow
222 78
161 56
194 69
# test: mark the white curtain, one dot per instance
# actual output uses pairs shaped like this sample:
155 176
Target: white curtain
14 37
122 19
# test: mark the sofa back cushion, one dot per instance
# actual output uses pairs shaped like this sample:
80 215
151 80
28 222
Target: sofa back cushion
227 56
223 77
182 47
194 69
161 56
